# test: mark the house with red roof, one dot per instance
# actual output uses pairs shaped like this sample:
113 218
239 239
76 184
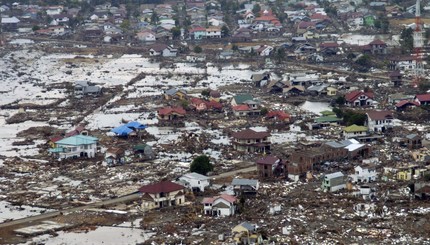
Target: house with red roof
251 141
270 167
204 105
243 110
162 194
406 104
378 47
422 99
171 113
214 105
359 98
198 104
278 116
379 121
318 17
222 205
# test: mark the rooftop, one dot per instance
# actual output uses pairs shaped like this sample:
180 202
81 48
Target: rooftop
161 187
250 134
250 182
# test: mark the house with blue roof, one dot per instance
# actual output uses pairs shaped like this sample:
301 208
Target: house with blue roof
75 146
131 128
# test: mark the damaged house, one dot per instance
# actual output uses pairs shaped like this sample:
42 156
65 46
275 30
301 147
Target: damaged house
359 98
270 167
260 79
195 181
245 105
115 156
251 141
82 88
364 174
245 186
222 205
75 146
304 160
334 182
171 115
162 194
379 121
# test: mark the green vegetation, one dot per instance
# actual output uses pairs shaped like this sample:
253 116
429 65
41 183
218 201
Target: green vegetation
351 117
197 49
407 40
201 165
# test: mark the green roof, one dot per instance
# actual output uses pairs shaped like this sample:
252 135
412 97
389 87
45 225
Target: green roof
327 119
355 128
77 140
327 113
242 98
56 150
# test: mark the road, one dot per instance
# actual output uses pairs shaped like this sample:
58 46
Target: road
125 198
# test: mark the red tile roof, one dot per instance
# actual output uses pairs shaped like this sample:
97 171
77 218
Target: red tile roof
318 16
306 24
213 104
164 186
423 97
250 134
278 114
169 110
228 198
406 102
268 160
350 97
55 138
380 115
197 101
266 18
196 29
241 108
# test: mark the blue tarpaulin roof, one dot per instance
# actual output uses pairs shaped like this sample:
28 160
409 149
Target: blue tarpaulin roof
122 130
135 125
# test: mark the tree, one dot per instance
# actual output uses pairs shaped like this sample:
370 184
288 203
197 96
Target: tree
154 18
256 9
264 111
206 93
235 47
364 63
201 165
198 49
225 32
340 100
176 32
35 28
280 54
351 117
125 25
338 112
407 40
382 23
